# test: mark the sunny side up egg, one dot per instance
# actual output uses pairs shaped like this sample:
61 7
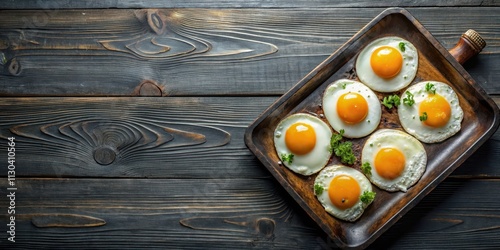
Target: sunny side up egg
302 143
393 160
351 106
434 114
387 64
344 192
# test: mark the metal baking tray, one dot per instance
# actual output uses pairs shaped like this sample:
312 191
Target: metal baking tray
435 63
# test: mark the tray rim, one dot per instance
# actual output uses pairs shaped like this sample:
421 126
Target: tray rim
490 130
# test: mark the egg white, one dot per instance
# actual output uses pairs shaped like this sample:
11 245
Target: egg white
313 161
408 71
330 98
324 179
409 115
412 149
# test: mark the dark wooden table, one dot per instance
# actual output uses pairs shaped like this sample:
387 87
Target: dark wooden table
128 120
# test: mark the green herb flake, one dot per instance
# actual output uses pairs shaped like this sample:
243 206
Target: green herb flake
343 150
391 101
287 158
367 197
429 87
366 168
344 85
423 117
335 141
408 100
402 46
318 189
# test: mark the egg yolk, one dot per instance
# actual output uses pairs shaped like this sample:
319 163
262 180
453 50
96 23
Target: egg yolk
344 191
389 163
386 61
352 108
437 109
300 138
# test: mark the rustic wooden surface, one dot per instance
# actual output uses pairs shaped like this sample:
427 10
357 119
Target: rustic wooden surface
80 81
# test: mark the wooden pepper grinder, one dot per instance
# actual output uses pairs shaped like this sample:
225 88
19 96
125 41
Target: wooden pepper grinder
469 45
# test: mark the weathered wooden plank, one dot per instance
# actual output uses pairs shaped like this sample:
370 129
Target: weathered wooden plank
231 213
175 137
201 51
139 137
160 213
64 4
457 214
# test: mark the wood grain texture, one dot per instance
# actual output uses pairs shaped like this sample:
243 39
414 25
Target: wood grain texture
64 4
233 213
173 172
57 137
442 220
219 213
200 51
65 220
137 137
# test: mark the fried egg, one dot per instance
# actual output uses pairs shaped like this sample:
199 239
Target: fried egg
393 160
351 106
302 143
340 189
435 114
387 64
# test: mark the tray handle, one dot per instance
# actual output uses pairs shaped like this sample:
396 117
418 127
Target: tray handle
469 45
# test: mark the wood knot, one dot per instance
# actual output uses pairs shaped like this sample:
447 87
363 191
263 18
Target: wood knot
265 227
14 67
104 155
156 21
148 88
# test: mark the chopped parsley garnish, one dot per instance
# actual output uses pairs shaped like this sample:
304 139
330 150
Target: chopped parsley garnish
342 149
423 117
408 100
287 158
335 140
318 189
391 101
429 87
367 197
366 168
402 46
344 85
